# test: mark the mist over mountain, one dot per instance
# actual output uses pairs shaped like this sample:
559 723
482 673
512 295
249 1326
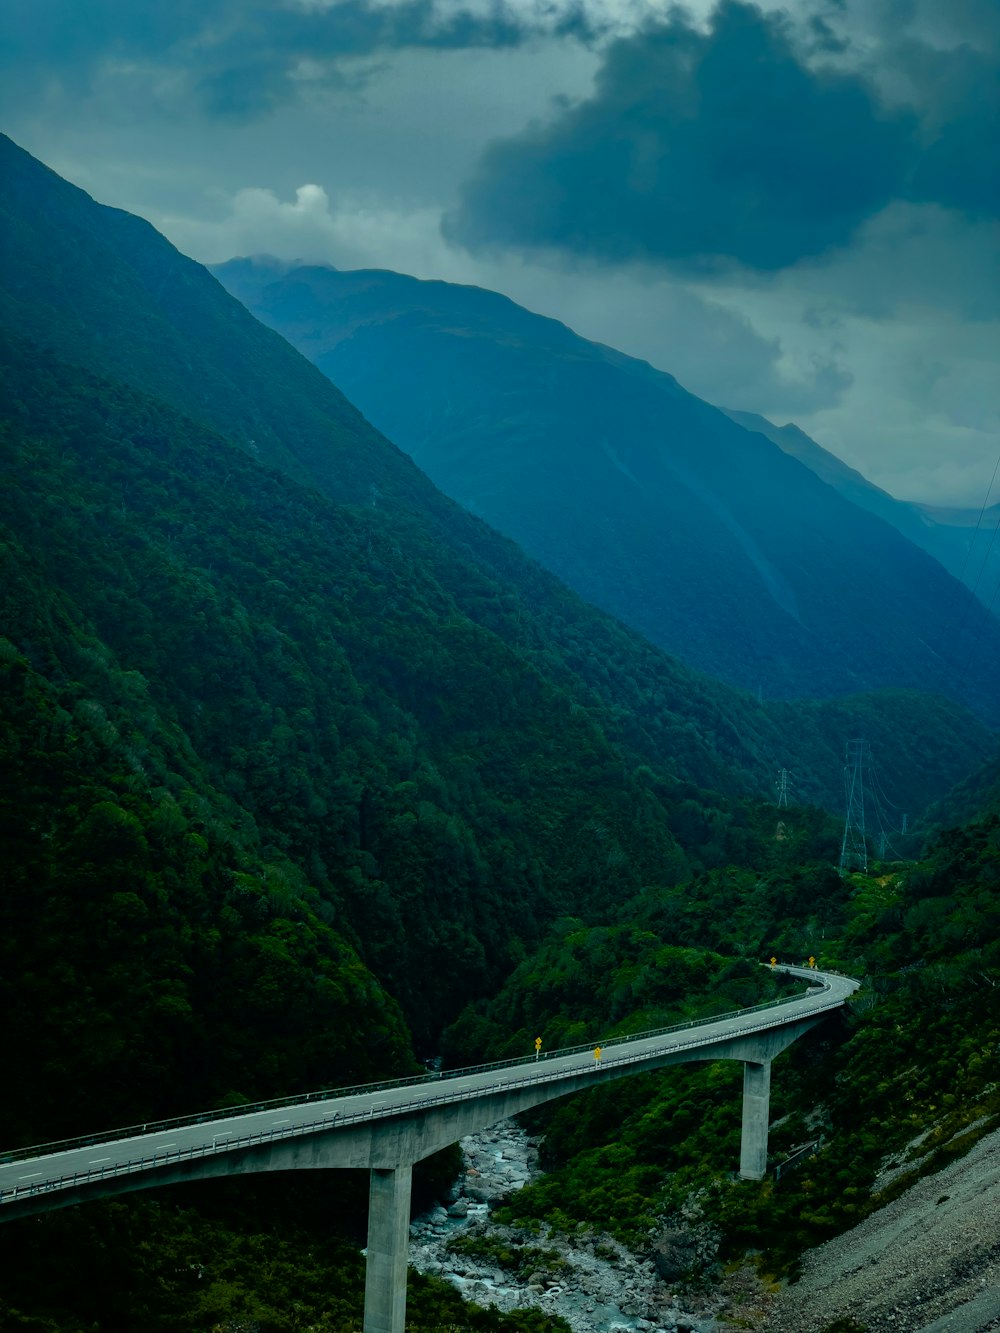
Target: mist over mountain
716 544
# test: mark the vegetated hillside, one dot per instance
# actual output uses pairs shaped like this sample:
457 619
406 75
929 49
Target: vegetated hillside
963 540
101 288
712 541
895 1089
440 793
325 705
288 763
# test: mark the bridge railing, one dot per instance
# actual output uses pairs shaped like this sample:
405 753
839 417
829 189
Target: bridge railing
258 1138
386 1085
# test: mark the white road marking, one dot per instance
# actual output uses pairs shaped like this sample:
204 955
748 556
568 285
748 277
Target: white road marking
98 1160
31 1177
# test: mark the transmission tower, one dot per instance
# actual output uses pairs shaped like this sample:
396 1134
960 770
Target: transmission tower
854 849
782 785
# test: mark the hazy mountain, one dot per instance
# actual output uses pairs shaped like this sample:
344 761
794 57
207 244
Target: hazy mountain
712 541
963 540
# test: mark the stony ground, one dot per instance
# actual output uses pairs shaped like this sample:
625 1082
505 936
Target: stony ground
927 1263
594 1284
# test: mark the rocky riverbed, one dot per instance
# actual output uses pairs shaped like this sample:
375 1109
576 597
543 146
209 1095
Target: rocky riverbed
929 1262
587 1278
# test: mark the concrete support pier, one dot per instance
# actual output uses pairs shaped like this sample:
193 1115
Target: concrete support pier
388 1234
756 1110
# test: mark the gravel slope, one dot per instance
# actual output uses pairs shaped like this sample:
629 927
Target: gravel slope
928 1262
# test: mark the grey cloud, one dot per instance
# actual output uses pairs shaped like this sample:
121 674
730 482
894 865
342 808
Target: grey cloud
751 144
241 58
959 166
955 23
695 147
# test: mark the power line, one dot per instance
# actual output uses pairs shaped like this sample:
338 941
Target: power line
854 848
864 796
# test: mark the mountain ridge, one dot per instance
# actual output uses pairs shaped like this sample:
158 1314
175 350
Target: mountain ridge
652 504
940 530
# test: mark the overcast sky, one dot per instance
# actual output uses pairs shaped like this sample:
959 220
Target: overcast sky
791 207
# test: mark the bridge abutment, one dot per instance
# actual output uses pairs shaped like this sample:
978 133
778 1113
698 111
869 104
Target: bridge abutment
388 1233
756 1112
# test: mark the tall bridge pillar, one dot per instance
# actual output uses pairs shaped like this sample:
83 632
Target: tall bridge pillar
388 1233
756 1110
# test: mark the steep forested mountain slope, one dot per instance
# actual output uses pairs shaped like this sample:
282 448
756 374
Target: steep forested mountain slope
713 542
443 793
103 289
963 540
443 796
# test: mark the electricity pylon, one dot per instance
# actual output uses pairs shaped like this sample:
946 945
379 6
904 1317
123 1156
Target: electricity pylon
782 785
854 849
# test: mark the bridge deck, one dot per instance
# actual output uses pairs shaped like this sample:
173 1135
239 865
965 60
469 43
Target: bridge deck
27 1174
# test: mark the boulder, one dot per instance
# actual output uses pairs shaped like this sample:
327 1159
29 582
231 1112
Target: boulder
674 1254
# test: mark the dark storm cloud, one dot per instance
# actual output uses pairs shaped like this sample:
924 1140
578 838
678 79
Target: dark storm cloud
239 57
697 145
739 144
959 161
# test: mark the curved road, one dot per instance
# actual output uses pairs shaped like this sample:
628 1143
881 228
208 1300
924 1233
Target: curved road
31 1176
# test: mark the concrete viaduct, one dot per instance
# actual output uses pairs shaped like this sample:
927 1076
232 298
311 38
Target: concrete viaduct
386 1127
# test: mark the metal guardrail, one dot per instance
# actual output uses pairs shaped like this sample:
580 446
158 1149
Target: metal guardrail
539 1076
178 1155
796 1157
387 1085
